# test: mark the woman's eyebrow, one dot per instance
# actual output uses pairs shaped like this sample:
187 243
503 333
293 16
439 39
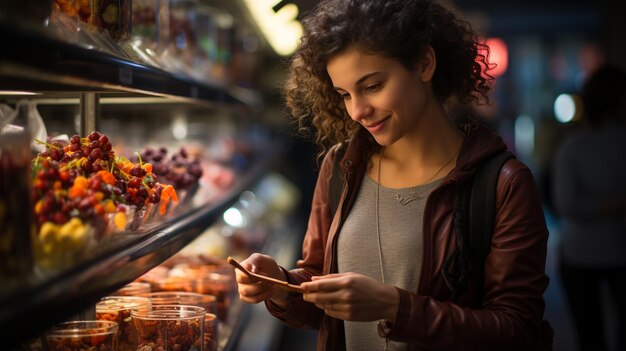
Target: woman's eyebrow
362 79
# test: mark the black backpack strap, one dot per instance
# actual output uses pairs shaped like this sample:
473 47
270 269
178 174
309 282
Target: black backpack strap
482 212
335 183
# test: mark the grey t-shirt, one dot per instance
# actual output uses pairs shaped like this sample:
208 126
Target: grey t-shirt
401 212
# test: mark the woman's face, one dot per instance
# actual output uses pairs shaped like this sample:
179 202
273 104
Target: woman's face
380 93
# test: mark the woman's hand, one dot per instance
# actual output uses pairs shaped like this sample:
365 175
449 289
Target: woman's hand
353 297
253 291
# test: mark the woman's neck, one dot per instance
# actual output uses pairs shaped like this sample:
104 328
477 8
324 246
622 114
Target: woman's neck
423 156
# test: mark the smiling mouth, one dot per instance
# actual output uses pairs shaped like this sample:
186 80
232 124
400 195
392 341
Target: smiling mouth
376 124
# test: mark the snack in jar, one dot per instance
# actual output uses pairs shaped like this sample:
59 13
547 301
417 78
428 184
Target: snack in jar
118 309
211 332
220 285
170 327
208 302
81 336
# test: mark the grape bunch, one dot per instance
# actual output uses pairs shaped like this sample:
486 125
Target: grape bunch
179 169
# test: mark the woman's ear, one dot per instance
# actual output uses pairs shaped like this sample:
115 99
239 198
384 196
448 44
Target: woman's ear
427 64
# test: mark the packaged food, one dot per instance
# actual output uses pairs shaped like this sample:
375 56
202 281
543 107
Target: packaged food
85 10
206 53
146 21
114 16
118 309
81 336
182 47
170 327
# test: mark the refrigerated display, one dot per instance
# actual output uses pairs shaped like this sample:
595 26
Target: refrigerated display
61 76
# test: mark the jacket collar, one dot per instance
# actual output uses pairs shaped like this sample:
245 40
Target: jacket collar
479 143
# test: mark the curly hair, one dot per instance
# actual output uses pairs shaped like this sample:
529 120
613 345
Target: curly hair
399 29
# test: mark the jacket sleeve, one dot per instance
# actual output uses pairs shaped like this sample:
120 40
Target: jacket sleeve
302 314
515 281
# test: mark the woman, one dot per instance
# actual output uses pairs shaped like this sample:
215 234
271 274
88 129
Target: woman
377 74
590 195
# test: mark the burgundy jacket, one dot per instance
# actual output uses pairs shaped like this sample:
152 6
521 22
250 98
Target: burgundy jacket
515 278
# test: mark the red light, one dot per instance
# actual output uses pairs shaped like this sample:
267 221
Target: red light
498 54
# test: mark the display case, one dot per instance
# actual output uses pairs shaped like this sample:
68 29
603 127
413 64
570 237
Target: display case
62 75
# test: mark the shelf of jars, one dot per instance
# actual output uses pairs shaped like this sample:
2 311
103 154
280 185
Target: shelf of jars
33 61
71 275
50 59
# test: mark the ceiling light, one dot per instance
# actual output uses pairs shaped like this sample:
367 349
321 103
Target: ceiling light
281 29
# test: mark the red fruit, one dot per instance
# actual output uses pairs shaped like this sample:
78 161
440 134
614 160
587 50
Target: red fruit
59 218
94 136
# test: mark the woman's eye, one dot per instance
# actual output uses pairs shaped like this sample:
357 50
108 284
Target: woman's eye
373 87
344 96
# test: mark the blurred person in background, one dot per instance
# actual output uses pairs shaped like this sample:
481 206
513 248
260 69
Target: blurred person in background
390 266
589 193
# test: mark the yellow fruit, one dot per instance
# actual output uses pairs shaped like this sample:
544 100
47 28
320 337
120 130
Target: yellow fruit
120 220
48 231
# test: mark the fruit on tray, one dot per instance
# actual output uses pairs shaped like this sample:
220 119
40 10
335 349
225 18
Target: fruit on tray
179 169
83 191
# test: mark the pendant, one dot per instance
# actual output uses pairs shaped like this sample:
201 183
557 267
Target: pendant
405 199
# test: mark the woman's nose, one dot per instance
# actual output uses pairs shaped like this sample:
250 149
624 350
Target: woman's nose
359 108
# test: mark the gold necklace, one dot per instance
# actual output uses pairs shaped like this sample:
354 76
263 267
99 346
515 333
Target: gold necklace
380 250
442 167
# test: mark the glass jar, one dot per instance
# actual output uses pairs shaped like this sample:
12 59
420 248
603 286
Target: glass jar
15 194
208 302
225 23
114 16
150 31
220 285
146 22
170 327
118 309
211 332
81 335
182 47
133 289
156 273
206 34
168 284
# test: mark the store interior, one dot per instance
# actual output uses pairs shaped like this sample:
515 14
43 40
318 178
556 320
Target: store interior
185 96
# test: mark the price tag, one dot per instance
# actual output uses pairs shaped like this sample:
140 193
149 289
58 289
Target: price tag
125 76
